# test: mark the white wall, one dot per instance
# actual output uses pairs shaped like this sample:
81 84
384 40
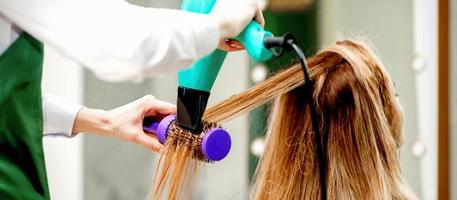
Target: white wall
426 74
63 156
453 100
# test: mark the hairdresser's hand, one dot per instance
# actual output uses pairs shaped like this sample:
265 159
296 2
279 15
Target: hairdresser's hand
125 122
233 16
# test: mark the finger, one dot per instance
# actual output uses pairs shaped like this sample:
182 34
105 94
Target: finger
232 41
232 49
165 108
227 46
159 107
259 17
235 43
149 141
146 98
235 46
238 46
145 102
230 44
138 103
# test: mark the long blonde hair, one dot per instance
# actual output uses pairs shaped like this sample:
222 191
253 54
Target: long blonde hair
358 111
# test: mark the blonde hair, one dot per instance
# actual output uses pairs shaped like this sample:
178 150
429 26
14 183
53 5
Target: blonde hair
355 101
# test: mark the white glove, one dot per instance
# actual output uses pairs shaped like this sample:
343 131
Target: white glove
233 16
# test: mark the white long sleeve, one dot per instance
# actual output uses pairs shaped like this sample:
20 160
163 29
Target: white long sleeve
114 39
58 115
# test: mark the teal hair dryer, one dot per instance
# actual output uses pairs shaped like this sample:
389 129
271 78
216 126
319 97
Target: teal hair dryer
195 82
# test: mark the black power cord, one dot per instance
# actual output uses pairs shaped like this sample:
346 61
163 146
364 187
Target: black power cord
287 42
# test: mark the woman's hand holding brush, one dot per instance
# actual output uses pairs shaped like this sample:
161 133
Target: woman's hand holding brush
125 122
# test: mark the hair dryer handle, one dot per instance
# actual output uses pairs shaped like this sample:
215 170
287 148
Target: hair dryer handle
252 38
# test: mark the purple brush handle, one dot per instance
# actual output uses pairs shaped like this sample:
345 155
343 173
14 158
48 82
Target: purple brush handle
216 142
151 127
159 128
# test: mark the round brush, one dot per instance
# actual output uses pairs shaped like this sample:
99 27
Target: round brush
211 144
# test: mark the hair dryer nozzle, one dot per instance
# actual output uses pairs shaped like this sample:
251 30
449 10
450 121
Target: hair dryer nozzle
191 105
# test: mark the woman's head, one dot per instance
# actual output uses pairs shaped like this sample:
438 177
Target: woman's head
357 110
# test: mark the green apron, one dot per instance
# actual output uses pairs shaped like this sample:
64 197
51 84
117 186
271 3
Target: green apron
22 169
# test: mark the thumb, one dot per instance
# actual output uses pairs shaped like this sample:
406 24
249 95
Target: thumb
149 141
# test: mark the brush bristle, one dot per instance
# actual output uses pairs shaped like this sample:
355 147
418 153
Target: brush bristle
178 136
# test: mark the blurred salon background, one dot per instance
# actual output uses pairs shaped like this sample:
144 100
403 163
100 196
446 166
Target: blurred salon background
415 39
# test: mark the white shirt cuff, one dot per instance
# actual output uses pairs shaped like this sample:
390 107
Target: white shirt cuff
58 116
